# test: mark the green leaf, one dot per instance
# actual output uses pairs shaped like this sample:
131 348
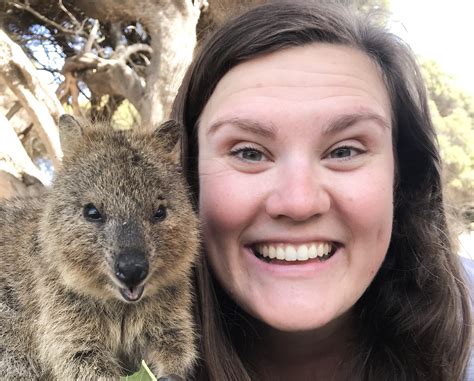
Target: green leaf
144 374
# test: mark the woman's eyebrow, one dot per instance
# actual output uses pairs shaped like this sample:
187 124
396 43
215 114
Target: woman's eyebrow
341 122
335 125
249 125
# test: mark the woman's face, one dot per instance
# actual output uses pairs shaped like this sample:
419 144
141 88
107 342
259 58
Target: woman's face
296 174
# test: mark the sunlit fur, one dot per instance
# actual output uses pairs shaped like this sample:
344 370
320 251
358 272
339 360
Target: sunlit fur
61 313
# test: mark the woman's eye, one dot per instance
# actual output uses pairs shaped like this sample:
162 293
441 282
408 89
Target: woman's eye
344 152
248 154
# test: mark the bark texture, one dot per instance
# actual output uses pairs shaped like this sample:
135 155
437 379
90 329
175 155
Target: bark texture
171 25
12 150
19 74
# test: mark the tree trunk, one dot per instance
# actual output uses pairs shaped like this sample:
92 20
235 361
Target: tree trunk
173 35
19 74
12 148
171 25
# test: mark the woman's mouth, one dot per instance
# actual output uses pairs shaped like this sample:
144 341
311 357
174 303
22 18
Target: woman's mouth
283 253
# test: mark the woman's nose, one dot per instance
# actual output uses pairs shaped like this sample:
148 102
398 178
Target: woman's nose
298 194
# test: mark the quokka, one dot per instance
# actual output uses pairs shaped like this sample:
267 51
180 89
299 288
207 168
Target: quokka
95 273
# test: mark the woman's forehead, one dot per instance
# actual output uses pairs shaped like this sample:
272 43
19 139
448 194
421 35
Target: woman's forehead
301 74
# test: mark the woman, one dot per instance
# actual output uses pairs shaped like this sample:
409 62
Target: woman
313 159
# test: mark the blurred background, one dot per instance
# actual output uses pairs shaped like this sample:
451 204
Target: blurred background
121 62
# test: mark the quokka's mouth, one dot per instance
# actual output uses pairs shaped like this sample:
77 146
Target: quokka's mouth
132 294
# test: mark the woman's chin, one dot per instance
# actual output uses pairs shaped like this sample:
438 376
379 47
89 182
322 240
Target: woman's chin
319 325
295 319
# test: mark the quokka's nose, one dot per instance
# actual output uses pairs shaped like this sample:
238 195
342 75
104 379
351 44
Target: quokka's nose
131 267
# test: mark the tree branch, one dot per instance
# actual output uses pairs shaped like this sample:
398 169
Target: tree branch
71 16
92 37
123 53
11 146
19 74
26 7
13 110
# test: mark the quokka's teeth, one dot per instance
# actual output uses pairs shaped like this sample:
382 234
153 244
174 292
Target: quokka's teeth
292 253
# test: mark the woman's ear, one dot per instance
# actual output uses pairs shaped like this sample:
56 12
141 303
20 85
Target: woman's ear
69 131
168 135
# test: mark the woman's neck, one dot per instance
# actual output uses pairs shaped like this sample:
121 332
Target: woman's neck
320 354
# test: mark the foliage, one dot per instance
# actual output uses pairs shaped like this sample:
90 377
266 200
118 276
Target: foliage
453 116
144 374
125 117
57 36
366 5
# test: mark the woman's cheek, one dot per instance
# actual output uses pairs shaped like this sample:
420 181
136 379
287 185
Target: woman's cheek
368 193
223 200
369 213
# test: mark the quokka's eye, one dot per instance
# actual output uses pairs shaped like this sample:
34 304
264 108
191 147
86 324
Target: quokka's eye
160 213
91 213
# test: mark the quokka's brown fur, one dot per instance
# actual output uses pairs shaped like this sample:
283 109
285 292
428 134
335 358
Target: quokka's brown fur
64 313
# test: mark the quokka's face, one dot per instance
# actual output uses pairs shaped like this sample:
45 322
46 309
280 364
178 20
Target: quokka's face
120 222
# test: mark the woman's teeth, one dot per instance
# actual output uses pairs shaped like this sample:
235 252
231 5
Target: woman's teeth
287 252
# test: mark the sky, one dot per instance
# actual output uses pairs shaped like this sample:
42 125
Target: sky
441 30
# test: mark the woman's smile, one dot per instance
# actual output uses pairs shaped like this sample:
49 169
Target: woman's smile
290 253
293 261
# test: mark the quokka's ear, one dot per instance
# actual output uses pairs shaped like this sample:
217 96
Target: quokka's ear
69 131
169 135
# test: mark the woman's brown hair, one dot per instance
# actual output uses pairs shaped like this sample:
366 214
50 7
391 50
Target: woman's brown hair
413 322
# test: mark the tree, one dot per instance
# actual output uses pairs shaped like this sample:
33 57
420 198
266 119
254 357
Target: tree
102 55
107 52
453 116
